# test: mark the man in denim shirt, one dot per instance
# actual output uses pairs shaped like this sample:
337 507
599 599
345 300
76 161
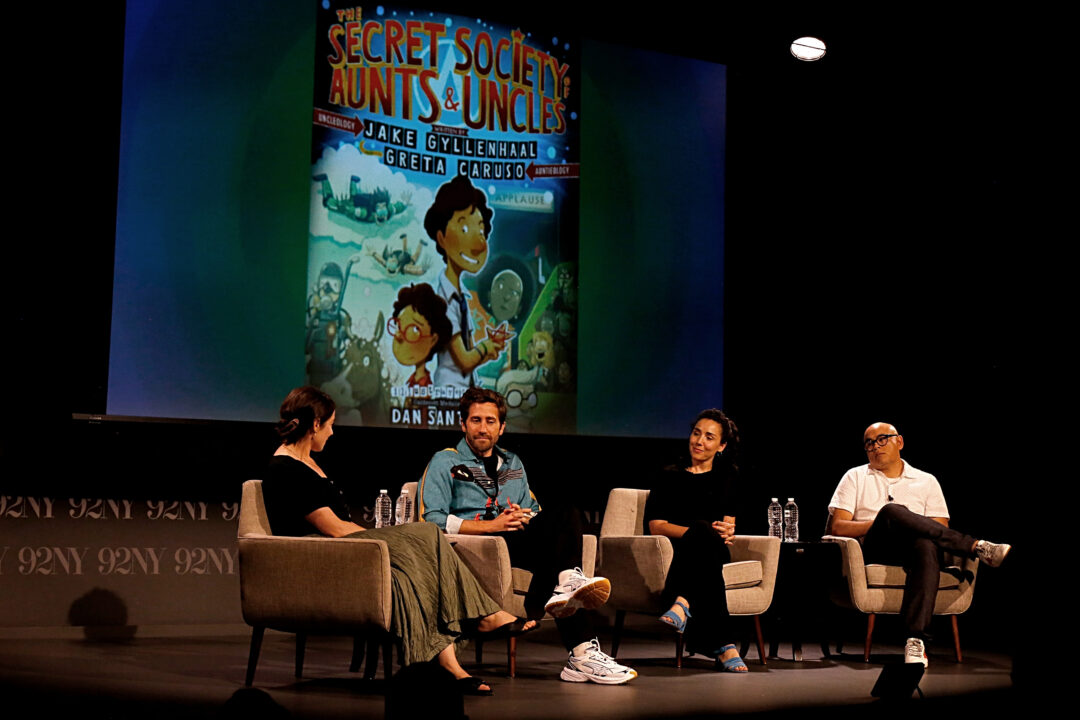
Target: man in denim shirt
478 488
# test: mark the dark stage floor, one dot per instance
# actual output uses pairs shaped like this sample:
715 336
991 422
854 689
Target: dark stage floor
193 676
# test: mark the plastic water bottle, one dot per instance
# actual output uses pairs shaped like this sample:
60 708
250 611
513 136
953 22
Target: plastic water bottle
384 510
403 509
776 519
791 521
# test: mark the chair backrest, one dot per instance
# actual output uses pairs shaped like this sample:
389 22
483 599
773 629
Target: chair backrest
411 487
625 513
253 520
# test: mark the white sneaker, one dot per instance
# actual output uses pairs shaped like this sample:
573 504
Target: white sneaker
596 666
991 554
576 591
915 652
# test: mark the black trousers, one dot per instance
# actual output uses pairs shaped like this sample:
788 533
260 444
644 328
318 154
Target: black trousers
550 544
697 574
914 542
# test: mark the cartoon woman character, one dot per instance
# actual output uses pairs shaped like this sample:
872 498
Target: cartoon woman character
420 329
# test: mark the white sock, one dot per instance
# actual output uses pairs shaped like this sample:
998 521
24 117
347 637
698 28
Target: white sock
579 650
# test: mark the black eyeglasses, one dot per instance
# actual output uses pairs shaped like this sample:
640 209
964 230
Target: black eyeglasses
879 441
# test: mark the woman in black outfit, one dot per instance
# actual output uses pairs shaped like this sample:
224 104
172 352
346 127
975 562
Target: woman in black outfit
434 595
695 504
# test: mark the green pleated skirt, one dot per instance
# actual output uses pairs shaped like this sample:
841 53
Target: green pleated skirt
433 591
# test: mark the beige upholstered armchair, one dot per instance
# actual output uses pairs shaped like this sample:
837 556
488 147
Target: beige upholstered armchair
489 560
302 585
876 589
638 564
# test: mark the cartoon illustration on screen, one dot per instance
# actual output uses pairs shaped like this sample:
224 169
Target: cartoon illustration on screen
457 189
360 390
420 329
403 261
358 206
519 388
505 291
459 222
329 326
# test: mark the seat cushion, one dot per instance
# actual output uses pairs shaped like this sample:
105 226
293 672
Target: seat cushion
893 576
744 574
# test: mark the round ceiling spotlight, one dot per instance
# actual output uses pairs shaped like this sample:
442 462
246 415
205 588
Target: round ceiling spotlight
808 49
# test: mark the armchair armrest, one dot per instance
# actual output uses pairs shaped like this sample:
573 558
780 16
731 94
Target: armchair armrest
766 550
851 552
853 566
308 583
489 560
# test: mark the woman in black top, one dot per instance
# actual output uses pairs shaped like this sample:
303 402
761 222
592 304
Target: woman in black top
695 504
434 594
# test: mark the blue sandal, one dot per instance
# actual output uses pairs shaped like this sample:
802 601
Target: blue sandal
732 665
679 623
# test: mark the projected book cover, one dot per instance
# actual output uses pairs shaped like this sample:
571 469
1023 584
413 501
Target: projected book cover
443 236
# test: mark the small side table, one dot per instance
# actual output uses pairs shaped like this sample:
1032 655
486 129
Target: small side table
801 597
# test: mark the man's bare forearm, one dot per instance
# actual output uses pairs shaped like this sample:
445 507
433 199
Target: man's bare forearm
850 528
475 527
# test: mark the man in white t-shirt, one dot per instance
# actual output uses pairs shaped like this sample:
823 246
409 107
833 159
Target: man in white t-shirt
900 517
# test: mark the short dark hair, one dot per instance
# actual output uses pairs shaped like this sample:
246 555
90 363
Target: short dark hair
425 302
727 425
301 408
457 194
481 395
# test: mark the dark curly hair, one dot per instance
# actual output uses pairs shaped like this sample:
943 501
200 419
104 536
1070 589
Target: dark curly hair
301 408
433 309
457 194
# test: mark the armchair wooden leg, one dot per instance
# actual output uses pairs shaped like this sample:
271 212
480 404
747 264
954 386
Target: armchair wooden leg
760 639
357 654
869 636
372 659
301 644
253 654
616 632
956 639
511 655
680 647
388 658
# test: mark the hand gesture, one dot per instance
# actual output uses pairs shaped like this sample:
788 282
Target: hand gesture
508 520
725 529
524 515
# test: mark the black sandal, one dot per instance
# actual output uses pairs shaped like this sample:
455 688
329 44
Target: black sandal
471 686
515 628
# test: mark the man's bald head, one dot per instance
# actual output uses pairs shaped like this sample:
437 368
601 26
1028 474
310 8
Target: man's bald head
883 445
880 428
